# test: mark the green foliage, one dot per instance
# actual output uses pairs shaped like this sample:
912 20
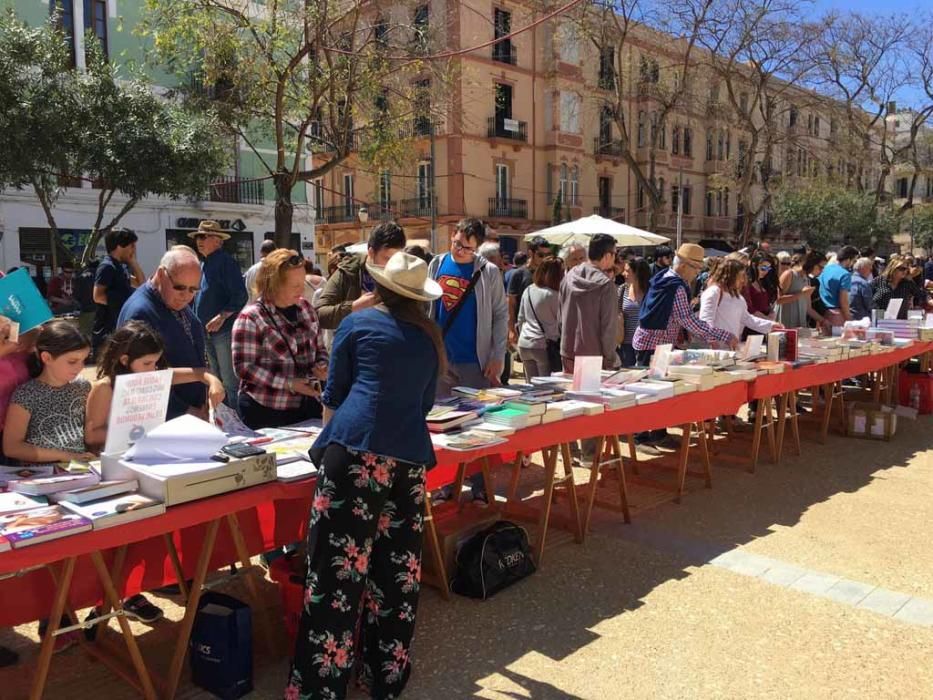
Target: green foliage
920 222
117 133
828 215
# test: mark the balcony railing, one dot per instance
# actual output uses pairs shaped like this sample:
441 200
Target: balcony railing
607 147
382 211
504 52
235 191
415 128
337 215
501 128
512 208
417 206
609 212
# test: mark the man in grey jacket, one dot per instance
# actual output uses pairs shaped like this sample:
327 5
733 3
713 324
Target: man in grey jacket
474 321
589 306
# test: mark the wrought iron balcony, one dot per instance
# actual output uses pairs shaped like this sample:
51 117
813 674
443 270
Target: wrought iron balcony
236 191
501 128
338 214
504 52
416 206
603 147
511 208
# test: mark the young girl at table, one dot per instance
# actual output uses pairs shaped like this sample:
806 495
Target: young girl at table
135 347
45 419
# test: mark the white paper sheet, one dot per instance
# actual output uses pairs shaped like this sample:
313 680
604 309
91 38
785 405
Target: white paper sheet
587 372
662 360
182 439
894 308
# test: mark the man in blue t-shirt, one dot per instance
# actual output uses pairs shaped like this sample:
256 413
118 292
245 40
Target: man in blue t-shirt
476 336
116 277
835 283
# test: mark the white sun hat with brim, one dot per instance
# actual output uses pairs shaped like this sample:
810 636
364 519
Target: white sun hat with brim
406 275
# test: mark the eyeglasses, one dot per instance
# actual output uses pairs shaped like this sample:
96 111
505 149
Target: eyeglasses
764 268
295 261
901 268
785 263
460 248
181 287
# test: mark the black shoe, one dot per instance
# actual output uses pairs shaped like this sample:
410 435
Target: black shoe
8 657
140 606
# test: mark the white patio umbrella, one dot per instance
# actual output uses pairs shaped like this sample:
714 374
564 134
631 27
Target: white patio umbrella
581 230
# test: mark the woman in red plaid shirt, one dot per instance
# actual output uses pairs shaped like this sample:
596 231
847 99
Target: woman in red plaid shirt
278 353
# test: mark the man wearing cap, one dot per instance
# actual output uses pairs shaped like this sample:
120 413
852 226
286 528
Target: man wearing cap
220 299
116 277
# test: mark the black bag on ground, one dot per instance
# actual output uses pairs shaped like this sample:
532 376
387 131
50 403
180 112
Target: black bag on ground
491 560
221 646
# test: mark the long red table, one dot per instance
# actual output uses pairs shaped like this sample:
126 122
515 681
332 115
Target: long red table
274 514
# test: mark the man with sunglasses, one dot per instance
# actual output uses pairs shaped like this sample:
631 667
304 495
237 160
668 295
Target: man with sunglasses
221 298
164 302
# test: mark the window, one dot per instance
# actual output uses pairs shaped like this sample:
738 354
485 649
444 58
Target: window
649 70
743 103
502 26
675 198
654 128
563 188
721 145
605 193
686 191
641 197
724 211
568 43
569 112
710 203
710 153
675 141
688 142
424 185
381 32
66 21
605 126
502 183
816 125
422 108
385 190
714 94
95 19
661 188
575 185
317 197
641 129
902 187
420 27
607 70
792 116
662 135
348 198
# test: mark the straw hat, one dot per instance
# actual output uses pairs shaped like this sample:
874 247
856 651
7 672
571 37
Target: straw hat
210 228
691 252
406 275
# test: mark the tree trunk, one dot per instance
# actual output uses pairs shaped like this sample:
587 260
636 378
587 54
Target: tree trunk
284 209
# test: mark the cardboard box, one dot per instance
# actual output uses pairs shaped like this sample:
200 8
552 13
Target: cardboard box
183 482
454 527
871 421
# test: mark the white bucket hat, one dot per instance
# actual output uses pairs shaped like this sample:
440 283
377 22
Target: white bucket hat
406 275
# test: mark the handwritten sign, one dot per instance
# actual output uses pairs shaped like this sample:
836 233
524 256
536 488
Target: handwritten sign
139 404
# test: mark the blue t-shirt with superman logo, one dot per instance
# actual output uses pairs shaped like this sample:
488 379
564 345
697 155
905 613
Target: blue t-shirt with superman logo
460 340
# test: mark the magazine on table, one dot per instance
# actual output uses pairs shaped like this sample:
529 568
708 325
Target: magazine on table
125 508
39 525
12 502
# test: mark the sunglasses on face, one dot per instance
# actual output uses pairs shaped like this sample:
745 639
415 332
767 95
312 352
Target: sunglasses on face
901 268
764 268
181 287
295 261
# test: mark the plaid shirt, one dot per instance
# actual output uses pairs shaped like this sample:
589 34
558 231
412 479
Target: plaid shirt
262 359
682 317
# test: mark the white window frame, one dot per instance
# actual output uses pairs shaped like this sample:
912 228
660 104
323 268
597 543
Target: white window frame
503 184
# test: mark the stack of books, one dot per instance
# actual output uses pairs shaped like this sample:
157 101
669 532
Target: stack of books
116 510
39 525
443 419
908 328
679 385
662 390
701 376
510 416
44 485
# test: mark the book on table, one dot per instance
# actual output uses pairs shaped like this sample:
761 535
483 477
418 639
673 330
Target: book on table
514 417
469 440
532 409
288 451
44 485
105 489
449 420
10 474
108 512
12 502
40 525
295 471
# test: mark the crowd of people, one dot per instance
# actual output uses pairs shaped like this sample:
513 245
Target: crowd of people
369 347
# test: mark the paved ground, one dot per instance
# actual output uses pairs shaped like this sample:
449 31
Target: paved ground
811 579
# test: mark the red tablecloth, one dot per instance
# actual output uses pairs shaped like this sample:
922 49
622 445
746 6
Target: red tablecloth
813 375
275 514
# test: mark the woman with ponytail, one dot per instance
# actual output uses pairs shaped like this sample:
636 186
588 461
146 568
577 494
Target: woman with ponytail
366 521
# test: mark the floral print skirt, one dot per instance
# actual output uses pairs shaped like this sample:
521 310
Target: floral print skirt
363 580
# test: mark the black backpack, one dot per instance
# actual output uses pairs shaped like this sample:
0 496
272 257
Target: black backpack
491 560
